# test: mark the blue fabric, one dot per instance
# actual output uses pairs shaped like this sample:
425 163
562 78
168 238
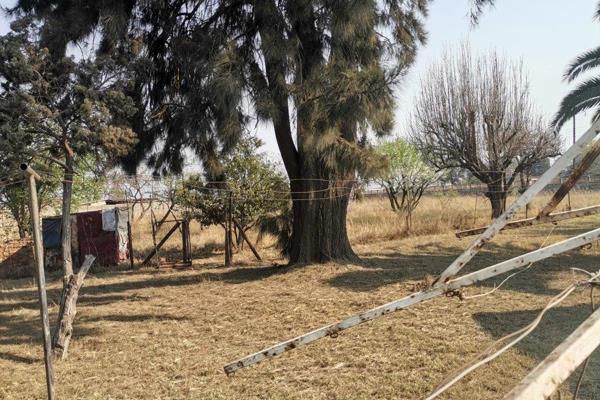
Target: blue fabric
51 229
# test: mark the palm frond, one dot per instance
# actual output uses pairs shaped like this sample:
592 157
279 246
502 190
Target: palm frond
584 97
584 62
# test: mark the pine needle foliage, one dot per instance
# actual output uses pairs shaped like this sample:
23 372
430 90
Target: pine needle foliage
321 71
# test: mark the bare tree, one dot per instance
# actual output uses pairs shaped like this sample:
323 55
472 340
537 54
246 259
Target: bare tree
405 177
476 113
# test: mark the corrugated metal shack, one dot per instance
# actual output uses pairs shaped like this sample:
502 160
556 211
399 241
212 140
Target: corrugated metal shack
101 233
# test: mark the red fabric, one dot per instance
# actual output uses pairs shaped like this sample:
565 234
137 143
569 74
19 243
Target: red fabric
93 240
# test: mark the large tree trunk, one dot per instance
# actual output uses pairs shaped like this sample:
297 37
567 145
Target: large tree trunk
319 214
497 197
319 225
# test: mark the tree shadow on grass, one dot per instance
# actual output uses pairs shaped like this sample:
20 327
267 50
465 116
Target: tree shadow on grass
556 325
134 318
104 293
17 330
18 359
381 269
23 329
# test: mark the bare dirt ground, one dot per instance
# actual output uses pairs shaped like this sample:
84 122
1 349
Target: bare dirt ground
166 334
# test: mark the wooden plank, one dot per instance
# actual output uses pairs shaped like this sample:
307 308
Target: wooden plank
160 244
568 184
455 284
164 218
544 379
520 223
580 146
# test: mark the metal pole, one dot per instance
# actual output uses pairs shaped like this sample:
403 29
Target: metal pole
499 223
38 252
418 297
560 364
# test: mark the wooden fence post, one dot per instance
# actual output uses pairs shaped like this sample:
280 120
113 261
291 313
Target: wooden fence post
153 222
228 238
185 239
130 244
38 251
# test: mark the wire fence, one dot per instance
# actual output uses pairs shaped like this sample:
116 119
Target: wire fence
142 190
145 193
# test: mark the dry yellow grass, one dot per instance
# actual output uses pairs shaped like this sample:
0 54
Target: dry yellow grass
373 219
369 220
164 334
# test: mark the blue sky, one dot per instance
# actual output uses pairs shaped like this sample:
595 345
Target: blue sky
545 34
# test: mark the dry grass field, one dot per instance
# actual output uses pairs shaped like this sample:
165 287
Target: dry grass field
165 334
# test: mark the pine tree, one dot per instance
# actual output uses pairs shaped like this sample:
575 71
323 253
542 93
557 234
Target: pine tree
61 110
322 72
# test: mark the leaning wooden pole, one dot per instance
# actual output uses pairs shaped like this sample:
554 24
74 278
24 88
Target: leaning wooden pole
245 238
38 251
579 147
560 364
449 286
157 246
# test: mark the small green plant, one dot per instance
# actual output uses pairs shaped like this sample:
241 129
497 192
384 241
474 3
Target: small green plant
255 185
405 177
